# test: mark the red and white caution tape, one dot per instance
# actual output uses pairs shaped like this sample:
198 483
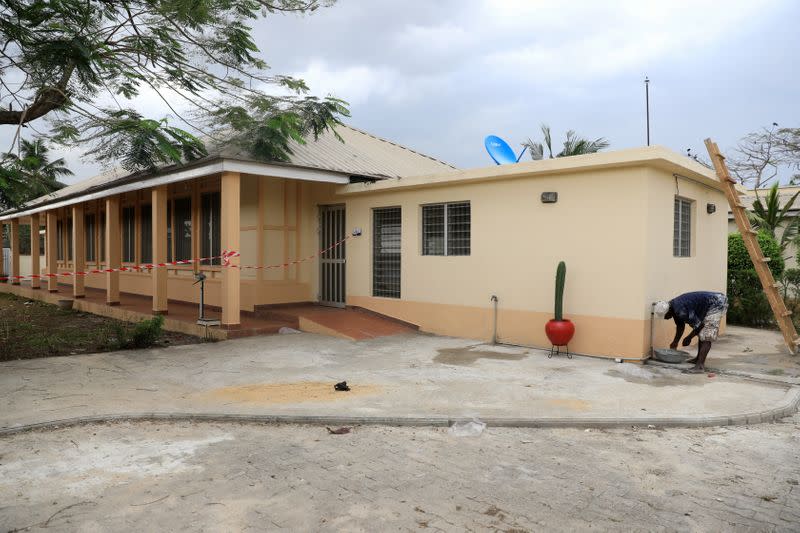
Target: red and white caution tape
295 262
225 258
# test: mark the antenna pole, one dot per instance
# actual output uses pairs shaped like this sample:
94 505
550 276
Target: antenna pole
647 105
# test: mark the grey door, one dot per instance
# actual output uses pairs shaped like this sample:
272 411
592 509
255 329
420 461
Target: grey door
332 262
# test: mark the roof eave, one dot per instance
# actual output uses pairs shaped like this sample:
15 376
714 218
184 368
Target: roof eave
138 181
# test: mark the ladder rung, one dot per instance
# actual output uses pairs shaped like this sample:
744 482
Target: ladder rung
786 313
752 232
796 341
777 285
766 259
740 206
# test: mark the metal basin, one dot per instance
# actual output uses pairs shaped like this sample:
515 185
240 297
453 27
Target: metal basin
667 355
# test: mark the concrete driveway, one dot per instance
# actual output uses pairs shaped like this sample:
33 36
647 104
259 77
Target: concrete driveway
412 379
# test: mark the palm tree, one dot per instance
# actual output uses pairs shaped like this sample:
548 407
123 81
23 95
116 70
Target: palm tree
771 217
573 145
30 173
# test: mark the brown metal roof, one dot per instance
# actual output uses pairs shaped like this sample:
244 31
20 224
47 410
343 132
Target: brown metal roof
357 154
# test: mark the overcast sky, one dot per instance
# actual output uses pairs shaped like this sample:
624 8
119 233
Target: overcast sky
440 75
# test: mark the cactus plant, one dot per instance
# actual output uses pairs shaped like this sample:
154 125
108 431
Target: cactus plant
561 275
559 330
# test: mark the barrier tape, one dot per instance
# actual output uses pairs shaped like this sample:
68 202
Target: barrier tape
225 258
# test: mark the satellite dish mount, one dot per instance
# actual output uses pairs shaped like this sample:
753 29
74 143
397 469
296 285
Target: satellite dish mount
500 152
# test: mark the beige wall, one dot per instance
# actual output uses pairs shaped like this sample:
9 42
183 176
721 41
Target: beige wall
706 269
612 227
278 224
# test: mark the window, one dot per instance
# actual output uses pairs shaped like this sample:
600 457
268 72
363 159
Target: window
180 230
446 229
68 238
128 234
102 239
60 240
386 241
210 230
681 239
42 237
146 224
24 240
89 234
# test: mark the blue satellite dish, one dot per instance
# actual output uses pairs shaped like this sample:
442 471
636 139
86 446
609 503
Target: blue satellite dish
500 151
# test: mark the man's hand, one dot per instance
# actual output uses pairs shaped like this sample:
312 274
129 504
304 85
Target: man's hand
687 341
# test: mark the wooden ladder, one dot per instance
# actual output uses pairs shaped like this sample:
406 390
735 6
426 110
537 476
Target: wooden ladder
782 315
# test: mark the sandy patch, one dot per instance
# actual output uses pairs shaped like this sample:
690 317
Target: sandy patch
300 391
570 403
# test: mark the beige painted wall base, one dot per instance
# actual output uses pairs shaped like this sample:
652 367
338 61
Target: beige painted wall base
597 336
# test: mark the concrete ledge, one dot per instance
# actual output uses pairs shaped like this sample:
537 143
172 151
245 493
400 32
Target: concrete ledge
115 311
789 407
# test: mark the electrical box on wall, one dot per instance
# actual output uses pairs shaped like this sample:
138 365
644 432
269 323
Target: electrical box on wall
549 197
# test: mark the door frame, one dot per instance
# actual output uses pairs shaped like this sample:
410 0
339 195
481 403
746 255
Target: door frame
329 227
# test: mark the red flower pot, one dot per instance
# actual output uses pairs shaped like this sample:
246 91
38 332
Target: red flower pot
559 332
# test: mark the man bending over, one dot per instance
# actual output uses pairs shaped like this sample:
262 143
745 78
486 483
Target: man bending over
703 311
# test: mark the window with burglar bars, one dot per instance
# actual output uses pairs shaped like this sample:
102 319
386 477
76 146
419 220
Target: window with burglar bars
386 240
146 232
89 233
210 231
128 234
681 239
446 229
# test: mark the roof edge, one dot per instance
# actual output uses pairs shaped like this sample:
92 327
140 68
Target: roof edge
652 155
183 173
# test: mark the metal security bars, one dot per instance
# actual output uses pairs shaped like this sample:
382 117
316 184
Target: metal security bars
332 262
681 239
211 230
446 229
146 239
88 235
386 252
128 234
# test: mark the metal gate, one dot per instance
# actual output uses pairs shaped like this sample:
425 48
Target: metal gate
332 263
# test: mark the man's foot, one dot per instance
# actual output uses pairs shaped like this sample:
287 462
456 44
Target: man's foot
696 370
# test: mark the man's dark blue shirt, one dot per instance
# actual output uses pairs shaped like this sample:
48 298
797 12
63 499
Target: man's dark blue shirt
693 307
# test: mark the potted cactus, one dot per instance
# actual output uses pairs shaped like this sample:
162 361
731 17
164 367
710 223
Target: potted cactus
559 330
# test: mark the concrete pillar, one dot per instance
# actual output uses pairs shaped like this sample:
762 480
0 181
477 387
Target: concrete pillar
113 249
78 251
14 241
159 214
35 268
229 226
51 254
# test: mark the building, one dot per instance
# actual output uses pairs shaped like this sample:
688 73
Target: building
785 194
428 244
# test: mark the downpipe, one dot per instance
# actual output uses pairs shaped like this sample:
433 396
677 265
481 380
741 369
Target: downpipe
652 325
494 327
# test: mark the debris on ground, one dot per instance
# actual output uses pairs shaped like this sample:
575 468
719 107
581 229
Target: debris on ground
339 431
341 386
473 428
288 331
